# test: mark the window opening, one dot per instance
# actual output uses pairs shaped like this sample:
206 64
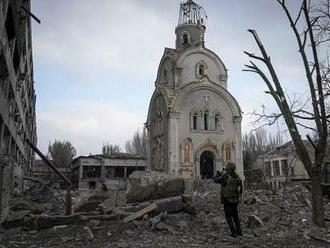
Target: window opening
195 121
206 120
185 39
216 121
201 70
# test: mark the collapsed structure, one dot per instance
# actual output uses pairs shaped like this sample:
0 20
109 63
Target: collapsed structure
193 123
17 99
283 165
95 172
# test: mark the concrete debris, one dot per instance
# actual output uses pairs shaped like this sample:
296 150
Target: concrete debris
26 205
140 213
151 185
267 221
94 223
157 219
90 233
183 224
250 201
161 226
59 227
170 205
37 222
87 207
40 191
254 221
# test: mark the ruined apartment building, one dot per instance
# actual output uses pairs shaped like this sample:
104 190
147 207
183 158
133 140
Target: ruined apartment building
17 99
96 171
194 123
283 165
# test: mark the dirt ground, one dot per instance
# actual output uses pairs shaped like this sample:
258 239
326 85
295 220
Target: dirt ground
286 223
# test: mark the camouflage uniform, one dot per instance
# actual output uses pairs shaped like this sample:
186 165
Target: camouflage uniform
231 189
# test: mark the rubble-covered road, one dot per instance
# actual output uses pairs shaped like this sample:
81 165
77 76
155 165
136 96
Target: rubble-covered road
268 220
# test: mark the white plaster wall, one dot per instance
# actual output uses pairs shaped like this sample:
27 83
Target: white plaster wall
215 69
231 131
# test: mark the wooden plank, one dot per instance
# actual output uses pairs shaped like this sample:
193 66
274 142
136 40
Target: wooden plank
140 213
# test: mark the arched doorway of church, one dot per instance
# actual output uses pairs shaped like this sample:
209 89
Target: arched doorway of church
207 165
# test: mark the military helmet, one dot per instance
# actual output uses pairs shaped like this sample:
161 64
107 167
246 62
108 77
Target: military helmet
230 166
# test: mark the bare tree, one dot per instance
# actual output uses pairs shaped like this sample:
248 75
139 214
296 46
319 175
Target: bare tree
62 153
137 145
257 143
108 149
313 119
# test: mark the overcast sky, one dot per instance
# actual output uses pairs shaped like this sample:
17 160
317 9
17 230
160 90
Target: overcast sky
95 62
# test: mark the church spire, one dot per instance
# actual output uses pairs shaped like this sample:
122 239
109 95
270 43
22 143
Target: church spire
191 26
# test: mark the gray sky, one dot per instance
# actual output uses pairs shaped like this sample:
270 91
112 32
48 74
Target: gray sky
95 61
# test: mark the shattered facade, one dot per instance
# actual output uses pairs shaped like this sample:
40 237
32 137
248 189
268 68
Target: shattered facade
17 99
43 171
283 162
97 172
193 123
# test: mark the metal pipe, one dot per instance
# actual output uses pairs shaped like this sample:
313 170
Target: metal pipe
68 199
50 164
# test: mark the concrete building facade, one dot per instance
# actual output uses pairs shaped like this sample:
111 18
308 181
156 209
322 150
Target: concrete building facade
96 171
193 123
17 99
283 164
43 171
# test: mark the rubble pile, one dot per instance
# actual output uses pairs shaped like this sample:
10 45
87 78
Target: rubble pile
268 218
150 185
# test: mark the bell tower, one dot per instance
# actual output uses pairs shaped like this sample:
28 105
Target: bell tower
191 26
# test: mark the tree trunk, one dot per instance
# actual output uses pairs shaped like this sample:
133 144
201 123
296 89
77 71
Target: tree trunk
317 198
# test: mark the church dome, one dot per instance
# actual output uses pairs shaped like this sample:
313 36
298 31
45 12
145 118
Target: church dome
192 13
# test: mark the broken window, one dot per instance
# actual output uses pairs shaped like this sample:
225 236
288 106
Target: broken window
120 172
130 170
91 171
268 169
92 185
276 166
284 164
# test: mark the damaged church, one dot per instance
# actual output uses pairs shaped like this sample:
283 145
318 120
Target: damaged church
193 123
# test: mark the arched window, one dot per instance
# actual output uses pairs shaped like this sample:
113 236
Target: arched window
206 120
201 70
195 116
185 39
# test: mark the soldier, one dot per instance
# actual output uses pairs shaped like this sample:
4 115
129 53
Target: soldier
231 189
